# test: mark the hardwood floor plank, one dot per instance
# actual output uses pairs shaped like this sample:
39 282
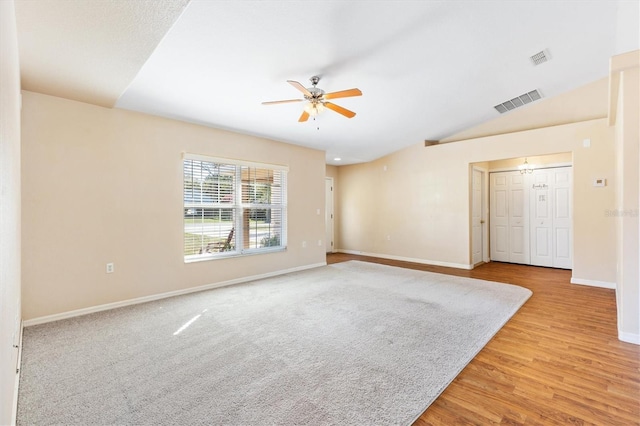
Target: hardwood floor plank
557 361
596 408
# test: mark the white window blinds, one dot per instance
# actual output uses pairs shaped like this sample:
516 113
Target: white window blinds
232 208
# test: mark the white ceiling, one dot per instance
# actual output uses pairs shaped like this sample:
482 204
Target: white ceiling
427 69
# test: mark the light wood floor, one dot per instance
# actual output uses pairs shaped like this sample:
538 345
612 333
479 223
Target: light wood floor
557 361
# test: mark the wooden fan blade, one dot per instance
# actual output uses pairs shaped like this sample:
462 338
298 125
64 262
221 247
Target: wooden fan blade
300 87
304 116
343 94
340 110
282 102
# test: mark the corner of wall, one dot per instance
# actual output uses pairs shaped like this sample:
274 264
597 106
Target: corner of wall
10 201
624 112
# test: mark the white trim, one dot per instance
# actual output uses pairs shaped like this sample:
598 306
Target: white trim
409 259
593 283
144 299
233 161
16 386
629 337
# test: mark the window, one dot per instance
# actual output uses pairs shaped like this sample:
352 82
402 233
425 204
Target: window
233 208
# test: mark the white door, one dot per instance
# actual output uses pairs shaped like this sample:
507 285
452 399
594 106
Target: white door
531 217
541 221
518 218
562 222
328 215
509 217
499 217
477 222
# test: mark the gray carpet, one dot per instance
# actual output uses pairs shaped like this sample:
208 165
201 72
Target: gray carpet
346 344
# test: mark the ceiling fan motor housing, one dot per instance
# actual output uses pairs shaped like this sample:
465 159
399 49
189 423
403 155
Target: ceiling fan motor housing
316 94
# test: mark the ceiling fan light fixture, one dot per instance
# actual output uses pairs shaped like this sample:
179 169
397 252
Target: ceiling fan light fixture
314 108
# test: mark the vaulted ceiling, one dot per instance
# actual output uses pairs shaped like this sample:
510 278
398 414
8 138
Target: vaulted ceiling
427 69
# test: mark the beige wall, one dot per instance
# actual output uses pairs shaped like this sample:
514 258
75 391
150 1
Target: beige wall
9 208
105 185
414 204
333 172
626 77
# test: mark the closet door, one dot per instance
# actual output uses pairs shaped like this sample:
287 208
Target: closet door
562 218
518 219
499 217
509 216
541 232
531 217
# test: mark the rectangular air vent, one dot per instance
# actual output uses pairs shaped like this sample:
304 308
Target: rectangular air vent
540 57
514 103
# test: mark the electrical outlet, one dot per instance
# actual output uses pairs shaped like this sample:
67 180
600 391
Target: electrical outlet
304 244
319 243
110 268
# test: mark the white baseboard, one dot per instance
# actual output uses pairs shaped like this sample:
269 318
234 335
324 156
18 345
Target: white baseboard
107 306
16 385
409 259
593 283
629 337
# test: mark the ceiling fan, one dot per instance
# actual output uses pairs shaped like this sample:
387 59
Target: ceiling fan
318 99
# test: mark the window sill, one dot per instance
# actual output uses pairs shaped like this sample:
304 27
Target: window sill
229 255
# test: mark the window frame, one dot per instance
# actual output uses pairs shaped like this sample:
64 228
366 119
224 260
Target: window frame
239 208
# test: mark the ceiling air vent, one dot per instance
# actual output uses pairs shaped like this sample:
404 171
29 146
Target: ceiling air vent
540 57
514 103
